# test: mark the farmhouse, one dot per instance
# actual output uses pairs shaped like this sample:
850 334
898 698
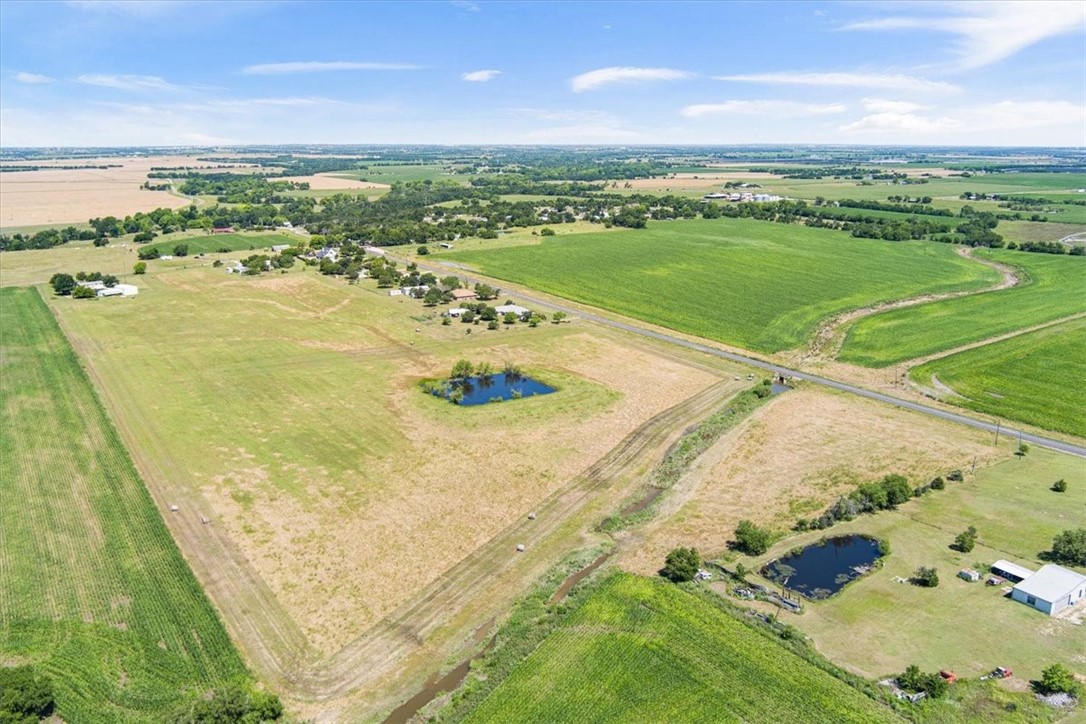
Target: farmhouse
1011 571
119 290
412 291
514 308
462 295
95 285
280 248
1051 589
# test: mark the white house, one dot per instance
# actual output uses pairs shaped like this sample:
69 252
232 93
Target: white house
119 290
280 247
1051 589
95 285
514 308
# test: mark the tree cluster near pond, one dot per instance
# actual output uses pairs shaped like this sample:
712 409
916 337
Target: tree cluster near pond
740 282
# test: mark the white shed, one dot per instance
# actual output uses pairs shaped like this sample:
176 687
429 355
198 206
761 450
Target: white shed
1011 571
1051 589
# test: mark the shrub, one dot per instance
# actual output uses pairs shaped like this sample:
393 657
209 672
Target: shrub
232 703
938 483
681 565
149 253
926 577
1060 486
955 475
965 540
751 539
82 292
62 284
913 679
423 250
1057 679
546 231
140 267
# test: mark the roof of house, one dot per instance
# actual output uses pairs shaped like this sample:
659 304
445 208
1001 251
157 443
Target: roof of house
463 294
514 308
1012 568
1051 583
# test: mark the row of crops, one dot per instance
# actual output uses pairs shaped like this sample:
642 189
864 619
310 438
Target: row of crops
639 649
93 590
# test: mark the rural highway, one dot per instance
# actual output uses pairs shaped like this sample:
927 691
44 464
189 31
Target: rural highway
1026 437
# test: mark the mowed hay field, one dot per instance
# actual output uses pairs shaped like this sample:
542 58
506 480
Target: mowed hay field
1051 287
287 407
752 284
64 196
793 458
93 590
213 243
877 626
1034 378
643 650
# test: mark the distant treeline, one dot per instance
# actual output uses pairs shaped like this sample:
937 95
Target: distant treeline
820 172
8 169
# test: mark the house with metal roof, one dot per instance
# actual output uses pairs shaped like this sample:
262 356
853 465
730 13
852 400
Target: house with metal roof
1051 589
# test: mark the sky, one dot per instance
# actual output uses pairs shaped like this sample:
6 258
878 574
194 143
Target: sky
170 72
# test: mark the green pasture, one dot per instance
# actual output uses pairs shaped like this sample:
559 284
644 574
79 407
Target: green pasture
93 590
401 173
643 650
1051 287
752 284
877 626
1034 378
212 243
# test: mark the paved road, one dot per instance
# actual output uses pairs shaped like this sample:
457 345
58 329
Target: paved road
1066 447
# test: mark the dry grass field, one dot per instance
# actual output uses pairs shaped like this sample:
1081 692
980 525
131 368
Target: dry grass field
31 198
286 410
793 458
328 181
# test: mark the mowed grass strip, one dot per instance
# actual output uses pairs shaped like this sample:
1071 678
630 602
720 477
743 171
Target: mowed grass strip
1032 378
211 243
1050 287
93 590
752 284
643 650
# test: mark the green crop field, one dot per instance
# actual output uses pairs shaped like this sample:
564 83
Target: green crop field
643 650
401 173
1053 288
1032 378
211 243
93 590
753 284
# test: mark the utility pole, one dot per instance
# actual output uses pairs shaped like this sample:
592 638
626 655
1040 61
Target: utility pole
997 433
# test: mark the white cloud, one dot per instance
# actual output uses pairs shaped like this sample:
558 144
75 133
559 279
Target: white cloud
991 31
886 81
618 74
32 78
465 5
316 66
779 109
881 105
981 123
127 82
481 76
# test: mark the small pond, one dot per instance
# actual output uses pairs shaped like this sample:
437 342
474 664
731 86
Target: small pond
500 386
823 568
777 388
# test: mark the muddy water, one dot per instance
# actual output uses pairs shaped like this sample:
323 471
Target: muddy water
576 578
636 507
437 685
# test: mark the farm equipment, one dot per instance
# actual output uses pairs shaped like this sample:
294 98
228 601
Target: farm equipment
949 676
999 672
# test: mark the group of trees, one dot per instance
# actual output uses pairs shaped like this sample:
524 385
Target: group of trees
751 539
239 188
885 494
25 696
966 540
681 565
231 704
66 284
1070 547
926 577
45 239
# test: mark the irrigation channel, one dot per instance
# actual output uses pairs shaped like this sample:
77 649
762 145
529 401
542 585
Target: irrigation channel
776 369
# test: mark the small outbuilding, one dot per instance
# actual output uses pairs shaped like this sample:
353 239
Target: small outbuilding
1011 571
1051 589
514 308
968 574
455 312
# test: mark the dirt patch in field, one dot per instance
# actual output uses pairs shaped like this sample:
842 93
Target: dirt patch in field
793 459
325 181
59 196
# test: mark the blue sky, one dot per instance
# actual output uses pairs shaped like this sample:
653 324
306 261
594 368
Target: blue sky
471 71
